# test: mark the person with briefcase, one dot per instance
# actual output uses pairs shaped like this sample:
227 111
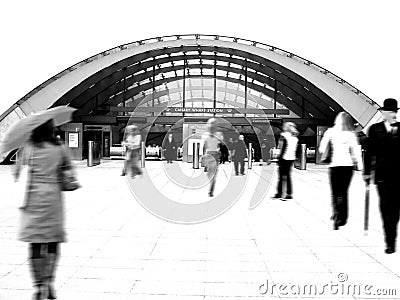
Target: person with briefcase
383 148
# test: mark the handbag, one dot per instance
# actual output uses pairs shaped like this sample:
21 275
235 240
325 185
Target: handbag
67 177
326 156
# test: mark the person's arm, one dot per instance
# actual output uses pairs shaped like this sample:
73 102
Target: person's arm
281 145
20 161
205 146
356 151
370 152
67 158
324 141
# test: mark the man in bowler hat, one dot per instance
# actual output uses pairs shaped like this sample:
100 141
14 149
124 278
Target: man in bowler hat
383 148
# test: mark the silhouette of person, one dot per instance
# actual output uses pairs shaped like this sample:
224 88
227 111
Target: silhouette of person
383 147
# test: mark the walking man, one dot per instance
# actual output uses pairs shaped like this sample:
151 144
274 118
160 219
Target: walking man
383 147
239 154
170 148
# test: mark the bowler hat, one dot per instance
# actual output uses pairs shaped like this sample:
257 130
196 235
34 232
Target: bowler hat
389 104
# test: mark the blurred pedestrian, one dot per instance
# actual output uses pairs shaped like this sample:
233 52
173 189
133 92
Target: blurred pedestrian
169 148
132 151
223 150
43 210
287 146
230 146
383 147
346 156
211 156
239 154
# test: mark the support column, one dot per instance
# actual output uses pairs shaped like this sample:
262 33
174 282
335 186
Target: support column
215 84
245 86
275 95
184 86
154 86
143 155
250 156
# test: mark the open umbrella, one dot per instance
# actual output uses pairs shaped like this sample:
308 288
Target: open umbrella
19 133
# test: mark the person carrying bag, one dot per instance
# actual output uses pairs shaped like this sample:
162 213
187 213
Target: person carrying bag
344 157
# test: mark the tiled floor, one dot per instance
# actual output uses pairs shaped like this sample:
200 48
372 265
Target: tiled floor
281 249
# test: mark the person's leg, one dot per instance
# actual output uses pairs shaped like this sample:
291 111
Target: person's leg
346 175
51 264
284 175
334 177
396 217
124 167
280 180
212 174
236 166
390 210
242 167
288 170
36 262
136 170
386 214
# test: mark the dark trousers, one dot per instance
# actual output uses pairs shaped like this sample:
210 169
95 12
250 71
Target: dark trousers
340 178
389 205
285 169
36 249
236 166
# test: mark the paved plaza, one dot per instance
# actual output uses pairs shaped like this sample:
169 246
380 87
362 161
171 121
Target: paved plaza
117 249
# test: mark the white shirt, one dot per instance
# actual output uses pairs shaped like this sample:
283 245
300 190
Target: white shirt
133 141
291 146
211 143
345 148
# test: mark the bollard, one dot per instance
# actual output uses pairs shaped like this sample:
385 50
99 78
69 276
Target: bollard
143 155
250 160
196 151
90 154
303 157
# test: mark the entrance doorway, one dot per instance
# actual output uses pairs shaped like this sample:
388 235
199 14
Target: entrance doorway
99 134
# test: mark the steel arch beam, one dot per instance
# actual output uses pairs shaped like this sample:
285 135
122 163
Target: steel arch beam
74 80
284 82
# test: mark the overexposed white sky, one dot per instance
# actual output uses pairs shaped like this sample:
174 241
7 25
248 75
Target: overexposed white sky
357 40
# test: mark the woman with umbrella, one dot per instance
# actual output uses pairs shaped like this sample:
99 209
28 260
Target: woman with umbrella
42 217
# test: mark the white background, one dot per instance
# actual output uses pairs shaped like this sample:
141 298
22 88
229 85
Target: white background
356 40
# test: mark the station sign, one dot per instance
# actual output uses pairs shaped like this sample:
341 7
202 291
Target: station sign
266 120
207 110
200 110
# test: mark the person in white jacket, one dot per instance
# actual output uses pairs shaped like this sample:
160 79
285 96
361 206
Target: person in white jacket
346 156
132 150
287 145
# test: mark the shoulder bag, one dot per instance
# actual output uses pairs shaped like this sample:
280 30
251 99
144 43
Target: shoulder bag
68 180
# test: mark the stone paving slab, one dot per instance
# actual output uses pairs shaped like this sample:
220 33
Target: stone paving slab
116 249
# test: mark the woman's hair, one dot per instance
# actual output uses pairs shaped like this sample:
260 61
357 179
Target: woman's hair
212 125
132 129
344 122
44 133
291 128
